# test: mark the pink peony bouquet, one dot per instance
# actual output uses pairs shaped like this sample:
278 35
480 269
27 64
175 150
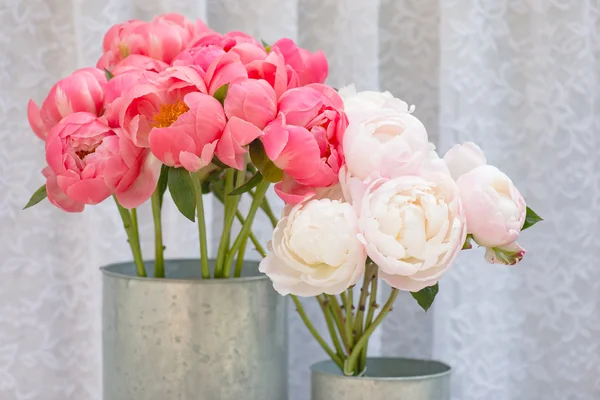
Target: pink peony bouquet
173 105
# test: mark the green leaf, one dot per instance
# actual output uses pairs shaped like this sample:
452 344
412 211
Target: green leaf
426 296
221 93
38 196
162 183
531 218
247 186
182 191
265 166
109 75
219 163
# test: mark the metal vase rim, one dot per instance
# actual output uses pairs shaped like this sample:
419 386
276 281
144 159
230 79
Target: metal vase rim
321 367
386 378
107 270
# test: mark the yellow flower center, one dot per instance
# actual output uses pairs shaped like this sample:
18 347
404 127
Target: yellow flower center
169 113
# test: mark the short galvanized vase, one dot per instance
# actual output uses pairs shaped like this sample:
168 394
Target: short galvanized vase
185 338
386 378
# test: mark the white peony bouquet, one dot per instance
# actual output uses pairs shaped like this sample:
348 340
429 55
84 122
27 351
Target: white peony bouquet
398 212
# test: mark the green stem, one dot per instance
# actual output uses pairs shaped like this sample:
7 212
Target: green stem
330 325
316 335
338 317
343 297
364 293
266 207
350 365
349 317
219 195
132 238
261 191
362 360
202 237
229 216
134 222
239 264
159 257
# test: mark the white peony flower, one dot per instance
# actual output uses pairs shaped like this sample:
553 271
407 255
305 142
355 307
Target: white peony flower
366 101
383 138
412 226
315 249
494 208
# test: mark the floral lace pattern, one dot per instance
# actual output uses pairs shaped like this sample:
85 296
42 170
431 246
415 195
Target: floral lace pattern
520 77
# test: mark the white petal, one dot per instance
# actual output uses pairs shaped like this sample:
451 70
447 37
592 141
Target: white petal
461 159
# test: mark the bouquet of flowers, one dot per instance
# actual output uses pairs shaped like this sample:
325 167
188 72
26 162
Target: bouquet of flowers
399 213
173 104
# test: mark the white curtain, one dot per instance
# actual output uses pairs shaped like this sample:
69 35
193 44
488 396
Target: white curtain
520 77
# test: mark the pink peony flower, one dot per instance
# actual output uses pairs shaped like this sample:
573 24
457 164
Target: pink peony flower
225 42
138 62
309 68
305 140
82 91
204 49
190 140
274 71
225 69
155 101
253 101
162 39
83 154
202 56
250 105
57 196
132 174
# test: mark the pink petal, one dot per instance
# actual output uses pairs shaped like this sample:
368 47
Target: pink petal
88 191
57 197
292 192
145 173
193 163
238 133
300 105
316 70
335 100
167 143
206 119
252 100
249 52
226 69
275 138
35 120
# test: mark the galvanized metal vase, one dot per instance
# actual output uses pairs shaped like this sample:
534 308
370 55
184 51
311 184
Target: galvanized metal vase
386 378
184 338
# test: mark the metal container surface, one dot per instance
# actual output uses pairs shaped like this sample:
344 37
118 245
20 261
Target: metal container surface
184 338
386 378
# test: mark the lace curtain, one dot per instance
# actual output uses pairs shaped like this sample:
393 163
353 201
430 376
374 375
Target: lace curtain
520 77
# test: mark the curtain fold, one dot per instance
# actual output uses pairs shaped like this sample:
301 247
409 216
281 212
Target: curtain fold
519 77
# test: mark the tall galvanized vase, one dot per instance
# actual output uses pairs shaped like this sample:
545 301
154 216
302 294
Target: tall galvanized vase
185 338
385 378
